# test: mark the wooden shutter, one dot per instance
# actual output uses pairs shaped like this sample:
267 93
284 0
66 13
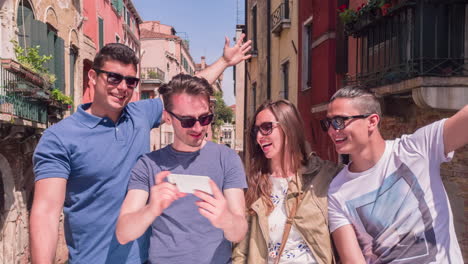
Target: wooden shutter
73 57
101 32
51 50
59 58
39 37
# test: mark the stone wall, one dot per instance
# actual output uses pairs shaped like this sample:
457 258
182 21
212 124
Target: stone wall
404 118
17 145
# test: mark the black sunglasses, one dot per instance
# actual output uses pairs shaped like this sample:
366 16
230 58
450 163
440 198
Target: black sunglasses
265 128
115 78
338 122
188 121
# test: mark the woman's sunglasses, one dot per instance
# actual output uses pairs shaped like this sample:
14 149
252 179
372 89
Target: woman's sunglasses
265 128
115 79
189 121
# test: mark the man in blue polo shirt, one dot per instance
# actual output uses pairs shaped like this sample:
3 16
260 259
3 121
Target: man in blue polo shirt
82 164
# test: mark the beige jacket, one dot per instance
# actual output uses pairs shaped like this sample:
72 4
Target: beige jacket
311 219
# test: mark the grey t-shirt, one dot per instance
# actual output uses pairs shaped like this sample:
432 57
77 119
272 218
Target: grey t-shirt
181 234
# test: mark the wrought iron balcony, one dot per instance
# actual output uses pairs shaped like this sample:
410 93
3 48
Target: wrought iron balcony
280 18
23 94
420 38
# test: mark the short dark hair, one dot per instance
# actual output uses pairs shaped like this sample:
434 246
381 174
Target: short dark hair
365 100
184 83
118 52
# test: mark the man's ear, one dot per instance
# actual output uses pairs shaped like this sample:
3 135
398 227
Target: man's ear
92 75
166 117
374 121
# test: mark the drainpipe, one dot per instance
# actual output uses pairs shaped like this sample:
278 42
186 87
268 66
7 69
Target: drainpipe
268 50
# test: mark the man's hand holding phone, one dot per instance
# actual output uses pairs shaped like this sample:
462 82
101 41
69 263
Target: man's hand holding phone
163 193
214 208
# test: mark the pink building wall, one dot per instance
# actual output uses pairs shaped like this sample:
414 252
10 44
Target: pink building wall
113 27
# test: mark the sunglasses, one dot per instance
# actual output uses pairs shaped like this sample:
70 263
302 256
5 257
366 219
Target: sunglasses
338 122
265 128
115 79
188 121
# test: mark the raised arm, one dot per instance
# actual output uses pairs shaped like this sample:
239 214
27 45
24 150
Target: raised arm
136 215
347 245
231 56
456 130
226 212
49 196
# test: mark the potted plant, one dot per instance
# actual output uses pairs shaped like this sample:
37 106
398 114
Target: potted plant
347 15
60 100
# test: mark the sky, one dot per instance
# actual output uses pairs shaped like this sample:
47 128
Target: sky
204 22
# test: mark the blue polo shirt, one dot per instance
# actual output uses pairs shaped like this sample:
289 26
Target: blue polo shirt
96 156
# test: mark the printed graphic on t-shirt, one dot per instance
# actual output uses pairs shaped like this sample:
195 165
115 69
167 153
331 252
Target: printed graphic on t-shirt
397 220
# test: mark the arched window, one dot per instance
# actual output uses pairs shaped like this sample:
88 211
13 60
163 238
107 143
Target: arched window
34 33
24 20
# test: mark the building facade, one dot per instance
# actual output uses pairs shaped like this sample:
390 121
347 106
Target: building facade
317 63
104 21
27 105
164 55
239 93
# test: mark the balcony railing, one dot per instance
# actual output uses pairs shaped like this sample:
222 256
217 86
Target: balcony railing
22 93
152 73
280 18
420 38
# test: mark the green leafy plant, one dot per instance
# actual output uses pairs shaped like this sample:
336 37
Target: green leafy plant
153 75
31 59
347 15
57 95
223 114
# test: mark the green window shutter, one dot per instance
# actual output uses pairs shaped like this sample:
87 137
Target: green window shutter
121 5
117 4
39 37
51 36
73 57
101 32
60 64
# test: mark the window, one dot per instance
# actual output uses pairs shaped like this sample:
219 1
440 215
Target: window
118 5
254 28
144 95
101 32
285 80
34 33
186 66
227 134
128 18
117 39
307 56
124 13
25 18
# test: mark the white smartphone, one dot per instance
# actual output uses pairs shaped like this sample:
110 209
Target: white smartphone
189 183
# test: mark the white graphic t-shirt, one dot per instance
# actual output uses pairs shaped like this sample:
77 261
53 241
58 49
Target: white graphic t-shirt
399 207
296 249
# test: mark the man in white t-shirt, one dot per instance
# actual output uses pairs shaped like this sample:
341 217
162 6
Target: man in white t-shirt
389 204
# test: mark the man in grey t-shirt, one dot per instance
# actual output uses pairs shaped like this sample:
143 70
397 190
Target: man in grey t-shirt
186 228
